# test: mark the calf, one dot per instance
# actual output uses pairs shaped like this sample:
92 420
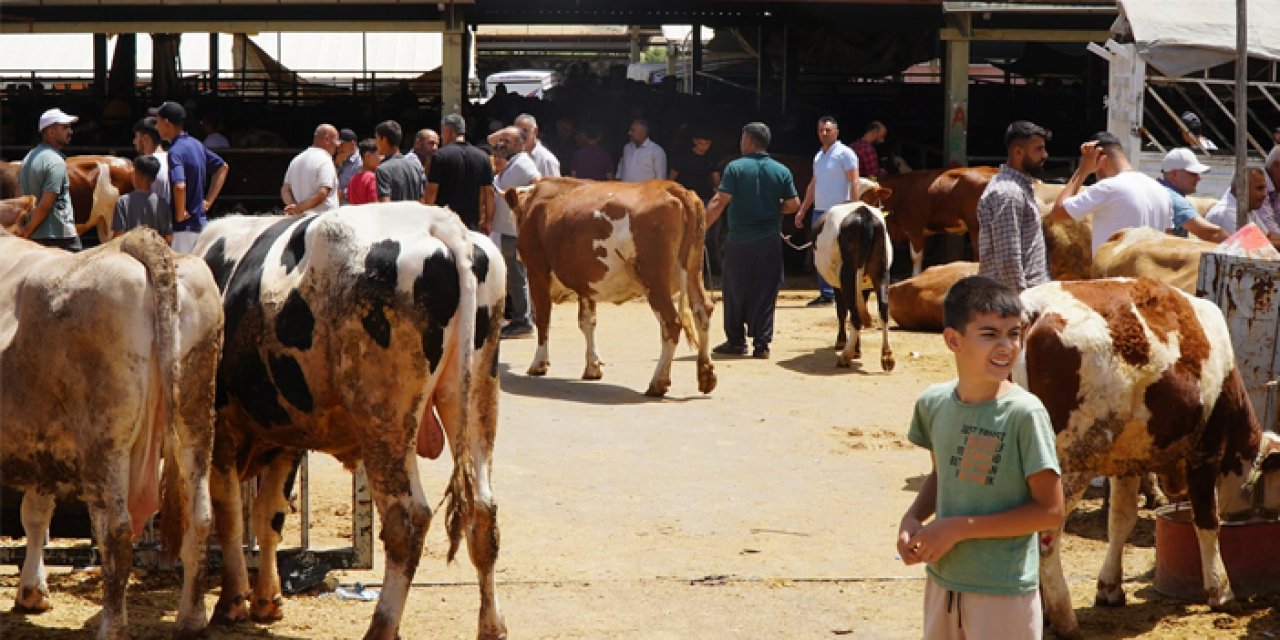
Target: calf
852 244
612 242
1138 377
107 359
344 330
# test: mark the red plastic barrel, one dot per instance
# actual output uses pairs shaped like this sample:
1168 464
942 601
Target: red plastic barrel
1249 552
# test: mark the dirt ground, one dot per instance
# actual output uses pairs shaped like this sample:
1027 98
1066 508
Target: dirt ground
767 509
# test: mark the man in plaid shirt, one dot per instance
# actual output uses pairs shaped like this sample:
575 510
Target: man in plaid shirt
868 160
1011 247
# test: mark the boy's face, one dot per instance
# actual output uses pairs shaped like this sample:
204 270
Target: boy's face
370 160
987 348
701 145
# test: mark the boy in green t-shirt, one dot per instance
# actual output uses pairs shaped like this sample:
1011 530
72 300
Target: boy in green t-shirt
995 480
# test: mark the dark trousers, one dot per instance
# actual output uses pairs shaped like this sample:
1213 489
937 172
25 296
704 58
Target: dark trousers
752 276
71 244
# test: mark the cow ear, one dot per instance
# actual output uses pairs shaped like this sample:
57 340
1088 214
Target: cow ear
884 194
512 197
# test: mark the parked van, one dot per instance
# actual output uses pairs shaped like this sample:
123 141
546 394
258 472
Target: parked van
529 83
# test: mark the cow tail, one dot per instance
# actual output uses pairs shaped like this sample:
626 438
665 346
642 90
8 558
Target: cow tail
147 247
690 255
460 495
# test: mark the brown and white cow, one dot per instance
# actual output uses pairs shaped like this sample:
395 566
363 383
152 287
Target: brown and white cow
107 364
1144 252
13 209
1138 377
916 303
344 330
613 242
95 184
852 244
932 201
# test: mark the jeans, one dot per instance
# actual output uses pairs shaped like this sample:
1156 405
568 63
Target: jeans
824 289
517 282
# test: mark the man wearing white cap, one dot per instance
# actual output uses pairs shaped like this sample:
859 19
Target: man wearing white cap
1181 173
44 175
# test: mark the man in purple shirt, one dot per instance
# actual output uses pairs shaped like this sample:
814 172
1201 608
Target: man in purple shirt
191 165
591 161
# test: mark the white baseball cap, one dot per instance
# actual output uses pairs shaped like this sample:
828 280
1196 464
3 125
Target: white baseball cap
1182 158
55 116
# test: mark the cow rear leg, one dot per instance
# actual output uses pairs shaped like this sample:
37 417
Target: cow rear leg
224 492
842 313
850 281
882 304
917 255
482 544
1120 520
113 530
192 617
587 323
269 510
33 589
402 506
669 321
540 296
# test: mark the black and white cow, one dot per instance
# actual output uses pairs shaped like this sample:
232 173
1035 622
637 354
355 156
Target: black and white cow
344 329
852 244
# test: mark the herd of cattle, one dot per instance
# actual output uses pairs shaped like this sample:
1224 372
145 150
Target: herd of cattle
371 333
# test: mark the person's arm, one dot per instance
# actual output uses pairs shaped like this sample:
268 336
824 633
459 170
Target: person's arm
286 195
1205 230
791 205
1000 240
672 173
1089 153
715 179
180 202
215 186
921 509
430 192
855 189
716 207
486 209
1045 511
38 214
383 184
660 163
806 203
118 220
300 208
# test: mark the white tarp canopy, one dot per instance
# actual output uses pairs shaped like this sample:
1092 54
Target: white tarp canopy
1178 37
329 55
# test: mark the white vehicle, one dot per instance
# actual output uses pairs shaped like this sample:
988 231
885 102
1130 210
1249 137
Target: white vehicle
529 83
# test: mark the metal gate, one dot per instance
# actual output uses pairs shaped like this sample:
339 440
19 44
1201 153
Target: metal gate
1248 292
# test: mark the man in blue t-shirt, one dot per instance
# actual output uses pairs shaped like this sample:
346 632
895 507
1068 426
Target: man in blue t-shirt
1181 171
757 190
191 167
835 180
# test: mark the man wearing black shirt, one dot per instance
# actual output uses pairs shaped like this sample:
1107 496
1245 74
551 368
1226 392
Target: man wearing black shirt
461 177
695 169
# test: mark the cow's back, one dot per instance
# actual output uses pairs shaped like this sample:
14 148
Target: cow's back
1145 252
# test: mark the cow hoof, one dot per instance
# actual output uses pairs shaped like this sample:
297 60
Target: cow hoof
592 372
32 600
192 633
539 369
230 610
268 610
887 363
657 389
706 378
1109 596
497 632
844 364
1067 634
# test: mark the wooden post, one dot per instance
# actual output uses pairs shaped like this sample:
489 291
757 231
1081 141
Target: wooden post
452 70
955 71
695 38
100 65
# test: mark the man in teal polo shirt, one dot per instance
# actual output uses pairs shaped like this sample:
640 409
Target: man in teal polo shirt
44 175
757 190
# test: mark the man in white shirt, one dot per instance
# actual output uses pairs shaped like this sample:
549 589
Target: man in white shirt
516 170
642 158
1122 198
835 180
1261 213
311 183
546 162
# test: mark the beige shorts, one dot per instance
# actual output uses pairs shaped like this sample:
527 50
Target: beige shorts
952 615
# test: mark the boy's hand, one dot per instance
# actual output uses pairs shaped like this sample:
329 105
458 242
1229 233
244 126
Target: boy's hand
934 541
906 531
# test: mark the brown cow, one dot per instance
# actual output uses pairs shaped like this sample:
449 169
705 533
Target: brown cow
93 193
12 209
1138 377
612 242
1145 252
916 303
930 202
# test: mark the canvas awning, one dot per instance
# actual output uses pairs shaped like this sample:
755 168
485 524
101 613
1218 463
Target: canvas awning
1179 37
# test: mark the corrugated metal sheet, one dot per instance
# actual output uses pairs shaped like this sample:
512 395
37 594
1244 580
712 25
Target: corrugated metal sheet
1248 292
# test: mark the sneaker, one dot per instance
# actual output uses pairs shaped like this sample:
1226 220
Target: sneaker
760 353
820 301
730 349
516 330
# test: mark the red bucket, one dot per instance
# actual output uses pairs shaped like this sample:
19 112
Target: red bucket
1249 552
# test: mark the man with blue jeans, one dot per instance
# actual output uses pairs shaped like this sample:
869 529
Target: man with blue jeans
835 180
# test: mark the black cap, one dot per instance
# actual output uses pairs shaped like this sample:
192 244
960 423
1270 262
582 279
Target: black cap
347 135
172 111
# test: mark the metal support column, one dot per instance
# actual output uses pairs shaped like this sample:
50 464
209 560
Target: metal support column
213 64
695 44
1242 105
99 65
453 76
955 71
635 43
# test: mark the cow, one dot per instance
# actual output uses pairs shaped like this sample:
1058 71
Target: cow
1139 377
1145 252
916 303
932 201
346 332
852 244
95 184
612 242
13 209
108 359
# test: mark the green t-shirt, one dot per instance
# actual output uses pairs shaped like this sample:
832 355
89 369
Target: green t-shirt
757 183
984 453
44 169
